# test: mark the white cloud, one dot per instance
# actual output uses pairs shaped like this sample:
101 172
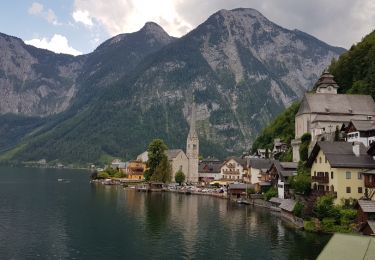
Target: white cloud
38 10
80 16
122 16
58 43
340 22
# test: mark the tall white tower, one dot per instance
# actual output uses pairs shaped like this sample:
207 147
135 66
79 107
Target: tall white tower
192 149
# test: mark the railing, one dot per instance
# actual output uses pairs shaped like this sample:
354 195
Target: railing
231 172
369 183
321 179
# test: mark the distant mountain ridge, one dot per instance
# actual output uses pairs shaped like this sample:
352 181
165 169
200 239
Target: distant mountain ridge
241 68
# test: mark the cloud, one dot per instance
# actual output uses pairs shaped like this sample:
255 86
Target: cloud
58 43
80 16
341 22
122 16
37 9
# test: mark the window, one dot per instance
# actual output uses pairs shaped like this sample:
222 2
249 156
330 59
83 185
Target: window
359 176
314 173
348 190
320 159
359 189
331 175
327 188
348 175
326 160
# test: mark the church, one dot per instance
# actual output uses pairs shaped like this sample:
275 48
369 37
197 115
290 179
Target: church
320 113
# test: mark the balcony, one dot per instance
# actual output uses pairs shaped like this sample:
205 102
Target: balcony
369 183
320 179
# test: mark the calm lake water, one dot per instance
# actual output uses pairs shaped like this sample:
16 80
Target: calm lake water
41 218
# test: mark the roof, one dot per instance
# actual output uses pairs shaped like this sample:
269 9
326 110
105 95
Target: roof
363 125
287 205
258 163
242 161
367 206
325 80
345 247
371 172
285 169
171 154
371 224
324 103
240 186
209 166
341 155
276 200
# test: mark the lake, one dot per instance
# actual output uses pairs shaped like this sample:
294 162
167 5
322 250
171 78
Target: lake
42 218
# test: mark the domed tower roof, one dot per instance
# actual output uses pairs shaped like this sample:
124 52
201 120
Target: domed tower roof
326 84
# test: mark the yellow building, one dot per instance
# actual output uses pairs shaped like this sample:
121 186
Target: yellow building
337 169
135 170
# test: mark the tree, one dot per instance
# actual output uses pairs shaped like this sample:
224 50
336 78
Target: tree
337 134
163 171
302 182
324 207
179 177
304 147
156 154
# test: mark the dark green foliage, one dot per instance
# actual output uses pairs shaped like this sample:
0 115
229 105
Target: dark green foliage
286 156
354 71
302 182
324 208
337 134
179 177
298 209
156 155
304 147
272 192
281 127
163 171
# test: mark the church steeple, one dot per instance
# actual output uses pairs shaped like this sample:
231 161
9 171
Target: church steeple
192 131
192 148
326 83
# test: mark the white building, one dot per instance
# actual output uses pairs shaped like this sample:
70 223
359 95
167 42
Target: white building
234 168
178 161
322 112
209 170
361 131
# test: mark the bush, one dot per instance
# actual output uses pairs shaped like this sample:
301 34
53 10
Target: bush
298 209
324 208
103 175
272 192
118 175
309 225
250 191
179 177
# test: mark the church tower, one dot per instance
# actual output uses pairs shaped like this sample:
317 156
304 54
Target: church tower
192 149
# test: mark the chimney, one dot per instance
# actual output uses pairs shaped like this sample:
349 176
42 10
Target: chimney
356 148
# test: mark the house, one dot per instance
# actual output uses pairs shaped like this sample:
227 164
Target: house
365 211
368 228
135 170
118 164
143 157
261 153
361 131
234 169
278 147
256 168
280 172
209 170
337 168
238 190
348 247
321 112
179 162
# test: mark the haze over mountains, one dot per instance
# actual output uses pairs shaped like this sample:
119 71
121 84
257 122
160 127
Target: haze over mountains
241 68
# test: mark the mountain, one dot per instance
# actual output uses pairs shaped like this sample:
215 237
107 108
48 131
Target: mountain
354 72
240 68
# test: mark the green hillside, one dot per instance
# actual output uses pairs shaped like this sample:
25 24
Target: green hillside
354 71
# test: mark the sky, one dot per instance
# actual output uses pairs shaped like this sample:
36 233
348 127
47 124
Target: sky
79 26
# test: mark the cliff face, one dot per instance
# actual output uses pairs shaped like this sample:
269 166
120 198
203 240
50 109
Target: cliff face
241 68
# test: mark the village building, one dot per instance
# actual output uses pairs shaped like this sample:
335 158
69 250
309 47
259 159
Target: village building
337 168
234 169
361 131
278 147
143 157
178 161
320 113
135 170
258 167
239 190
118 164
209 170
280 174
366 216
